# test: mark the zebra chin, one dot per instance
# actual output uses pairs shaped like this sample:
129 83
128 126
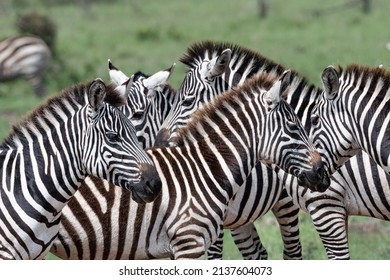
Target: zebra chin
149 186
316 179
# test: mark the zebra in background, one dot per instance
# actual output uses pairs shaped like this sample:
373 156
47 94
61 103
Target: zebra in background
217 149
149 100
48 155
27 57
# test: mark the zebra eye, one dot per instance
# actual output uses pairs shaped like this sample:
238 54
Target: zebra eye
291 124
113 136
188 101
137 115
315 119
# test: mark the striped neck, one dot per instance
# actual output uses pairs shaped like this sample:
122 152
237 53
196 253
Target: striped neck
51 162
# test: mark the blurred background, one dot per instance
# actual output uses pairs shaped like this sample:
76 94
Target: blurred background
150 35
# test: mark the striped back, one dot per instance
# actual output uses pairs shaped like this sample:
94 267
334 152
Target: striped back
26 57
353 114
213 68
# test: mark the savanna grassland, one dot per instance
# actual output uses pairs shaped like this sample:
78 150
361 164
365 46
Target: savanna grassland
151 35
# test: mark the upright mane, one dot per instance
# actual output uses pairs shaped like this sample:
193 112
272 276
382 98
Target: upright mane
375 74
197 52
74 96
220 103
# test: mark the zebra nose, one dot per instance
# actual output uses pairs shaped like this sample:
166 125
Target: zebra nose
162 138
316 179
149 186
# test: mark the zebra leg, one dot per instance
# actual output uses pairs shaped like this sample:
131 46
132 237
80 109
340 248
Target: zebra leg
37 84
215 250
331 225
286 213
248 243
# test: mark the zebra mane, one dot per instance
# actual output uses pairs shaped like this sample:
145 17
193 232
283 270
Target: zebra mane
72 96
366 73
230 99
140 74
197 52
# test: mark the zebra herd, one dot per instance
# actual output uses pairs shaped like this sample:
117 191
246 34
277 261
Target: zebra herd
221 151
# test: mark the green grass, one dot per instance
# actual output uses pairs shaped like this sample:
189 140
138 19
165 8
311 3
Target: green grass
151 35
368 239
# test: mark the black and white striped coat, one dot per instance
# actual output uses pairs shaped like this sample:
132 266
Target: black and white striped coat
187 218
335 241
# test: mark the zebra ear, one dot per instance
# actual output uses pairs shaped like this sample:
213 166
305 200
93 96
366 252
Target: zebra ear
330 81
286 81
96 94
273 95
279 89
116 75
218 65
158 78
118 78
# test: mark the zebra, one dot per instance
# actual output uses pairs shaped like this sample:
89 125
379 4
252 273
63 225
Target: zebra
25 56
144 93
46 157
353 115
333 202
214 154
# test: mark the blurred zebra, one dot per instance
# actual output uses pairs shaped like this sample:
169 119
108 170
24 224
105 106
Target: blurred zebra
214 154
27 57
47 156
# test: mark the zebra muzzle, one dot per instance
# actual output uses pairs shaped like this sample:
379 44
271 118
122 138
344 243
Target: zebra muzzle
316 179
149 187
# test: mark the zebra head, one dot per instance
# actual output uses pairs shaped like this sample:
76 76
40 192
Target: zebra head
198 87
111 150
333 129
288 141
149 99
